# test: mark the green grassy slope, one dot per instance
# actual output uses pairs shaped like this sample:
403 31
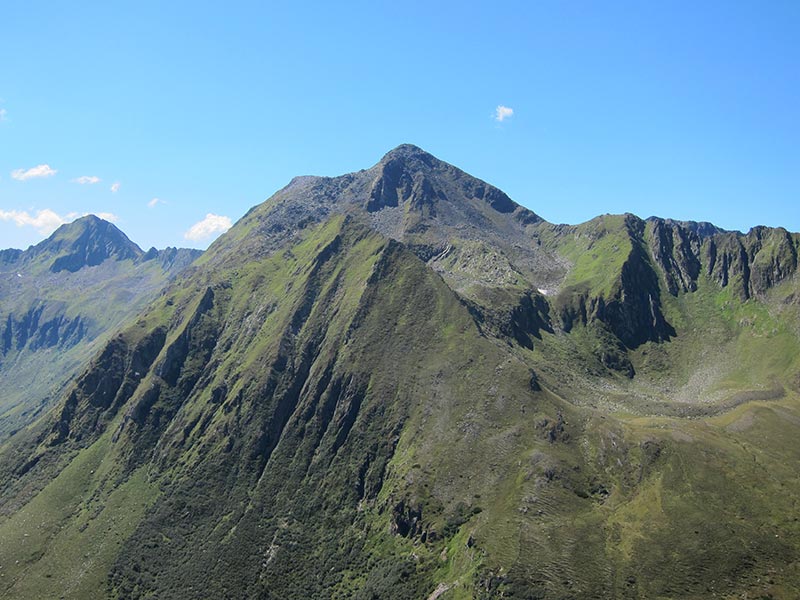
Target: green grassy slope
330 422
485 406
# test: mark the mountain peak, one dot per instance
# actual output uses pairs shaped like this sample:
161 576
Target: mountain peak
87 241
413 159
409 173
408 195
406 151
90 218
81 224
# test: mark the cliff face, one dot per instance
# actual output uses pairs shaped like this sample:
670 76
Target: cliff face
43 326
750 264
631 309
669 257
676 250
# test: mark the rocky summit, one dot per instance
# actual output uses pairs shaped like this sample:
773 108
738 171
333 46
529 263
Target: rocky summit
399 383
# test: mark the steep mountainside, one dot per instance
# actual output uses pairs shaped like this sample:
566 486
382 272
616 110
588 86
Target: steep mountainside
400 384
60 299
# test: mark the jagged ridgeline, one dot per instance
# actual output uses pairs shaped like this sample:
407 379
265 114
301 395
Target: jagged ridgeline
398 383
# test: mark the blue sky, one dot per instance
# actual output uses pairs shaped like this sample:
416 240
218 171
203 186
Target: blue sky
683 109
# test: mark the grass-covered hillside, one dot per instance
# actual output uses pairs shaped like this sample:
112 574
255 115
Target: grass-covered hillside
400 384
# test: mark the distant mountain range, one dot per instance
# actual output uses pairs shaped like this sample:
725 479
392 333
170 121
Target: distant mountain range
59 302
399 383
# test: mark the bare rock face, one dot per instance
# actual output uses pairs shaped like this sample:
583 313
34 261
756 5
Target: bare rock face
396 186
750 264
675 249
42 326
728 264
773 257
406 520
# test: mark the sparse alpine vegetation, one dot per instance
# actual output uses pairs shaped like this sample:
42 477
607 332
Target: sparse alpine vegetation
398 383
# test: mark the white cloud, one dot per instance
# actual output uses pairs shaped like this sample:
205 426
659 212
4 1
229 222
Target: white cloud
154 202
111 217
87 179
115 187
501 113
3 114
212 224
45 222
33 172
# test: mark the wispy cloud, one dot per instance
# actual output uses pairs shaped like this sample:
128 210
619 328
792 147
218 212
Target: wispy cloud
155 202
3 114
501 113
106 216
87 180
46 221
115 187
208 227
33 173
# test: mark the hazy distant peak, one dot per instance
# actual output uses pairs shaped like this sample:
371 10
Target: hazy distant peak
87 241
